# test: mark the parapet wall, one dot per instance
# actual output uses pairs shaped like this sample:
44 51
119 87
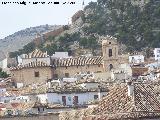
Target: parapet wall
35 117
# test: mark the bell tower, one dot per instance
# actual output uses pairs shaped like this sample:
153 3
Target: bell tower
110 52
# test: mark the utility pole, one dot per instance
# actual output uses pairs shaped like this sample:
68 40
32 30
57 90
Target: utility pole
83 5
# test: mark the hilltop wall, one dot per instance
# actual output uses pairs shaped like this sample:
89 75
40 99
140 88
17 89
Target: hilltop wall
44 36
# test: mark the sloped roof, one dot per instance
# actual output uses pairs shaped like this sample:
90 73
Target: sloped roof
30 65
78 61
36 54
117 101
118 105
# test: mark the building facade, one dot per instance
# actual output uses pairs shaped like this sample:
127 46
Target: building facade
157 53
110 53
71 66
34 56
74 98
32 73
136 59
37 66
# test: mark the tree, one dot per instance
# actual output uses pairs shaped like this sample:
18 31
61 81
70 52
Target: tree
3 74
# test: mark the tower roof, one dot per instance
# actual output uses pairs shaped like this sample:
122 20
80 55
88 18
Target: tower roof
107 39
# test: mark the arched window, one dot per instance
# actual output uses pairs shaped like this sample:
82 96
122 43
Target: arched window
110 67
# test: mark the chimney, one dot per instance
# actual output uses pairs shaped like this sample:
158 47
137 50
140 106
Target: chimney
130 88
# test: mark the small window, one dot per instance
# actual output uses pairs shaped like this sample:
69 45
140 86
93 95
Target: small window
88 66
38 109
110 52
36 74
110 67
66 74
95 97
109 42
64 100
75 100
99 65
66 67
55 76
88 72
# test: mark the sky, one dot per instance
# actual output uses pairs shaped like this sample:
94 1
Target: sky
15 17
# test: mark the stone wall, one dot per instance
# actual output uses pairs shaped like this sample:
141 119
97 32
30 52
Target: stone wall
40 117
72 70
56 32
27 75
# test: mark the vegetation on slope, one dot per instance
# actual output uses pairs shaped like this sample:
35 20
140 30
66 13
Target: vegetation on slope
3 74
135 26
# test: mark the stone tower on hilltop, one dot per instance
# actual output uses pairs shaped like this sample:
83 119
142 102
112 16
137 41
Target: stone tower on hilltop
110 52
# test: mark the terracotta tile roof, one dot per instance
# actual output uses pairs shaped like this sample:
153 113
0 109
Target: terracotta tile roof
20 106
118 105
87 81
116 101
36 54
8 79
78 61
30 65
38 104
2 106
15 105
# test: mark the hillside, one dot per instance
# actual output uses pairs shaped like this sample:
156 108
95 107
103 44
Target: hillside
135 23
21 38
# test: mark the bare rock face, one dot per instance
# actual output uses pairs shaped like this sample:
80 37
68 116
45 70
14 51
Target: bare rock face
21 38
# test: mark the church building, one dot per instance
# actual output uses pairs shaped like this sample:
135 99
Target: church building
39 67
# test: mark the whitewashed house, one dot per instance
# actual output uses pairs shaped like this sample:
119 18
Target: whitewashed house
75 97
152 66
34 56
157 53
136 59
22 98
126 68
60 55
69 80
3 60
89 85
6 98
119 75
42 98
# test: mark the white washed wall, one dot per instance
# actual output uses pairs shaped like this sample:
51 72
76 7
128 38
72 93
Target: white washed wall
45 60
42 98
83 98
136 59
